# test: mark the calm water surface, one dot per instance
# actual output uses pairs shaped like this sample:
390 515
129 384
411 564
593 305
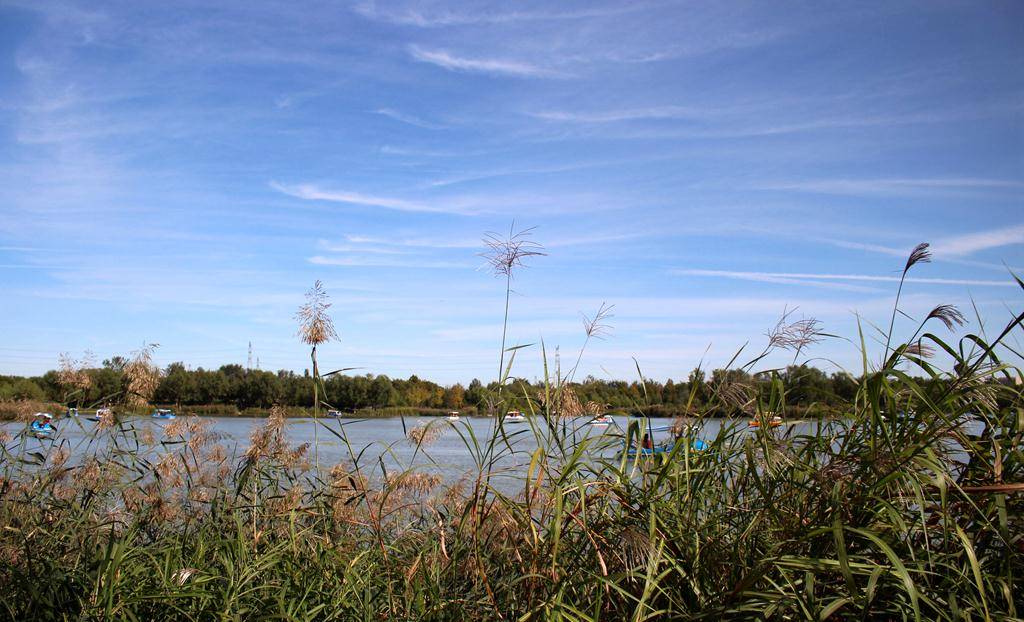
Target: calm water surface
383 443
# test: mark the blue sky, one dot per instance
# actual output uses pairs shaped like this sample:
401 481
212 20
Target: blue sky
182 172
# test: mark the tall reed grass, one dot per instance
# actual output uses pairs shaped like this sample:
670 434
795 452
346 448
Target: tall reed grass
911 507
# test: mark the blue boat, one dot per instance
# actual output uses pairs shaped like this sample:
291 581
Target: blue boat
696 445
647 447
41 426
162 413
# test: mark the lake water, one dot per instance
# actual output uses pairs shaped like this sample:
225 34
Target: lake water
383 444
385 441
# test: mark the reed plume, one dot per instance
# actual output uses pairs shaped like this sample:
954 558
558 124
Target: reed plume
594 328
920 254
73 375
504 255
949 315
142 375
316 328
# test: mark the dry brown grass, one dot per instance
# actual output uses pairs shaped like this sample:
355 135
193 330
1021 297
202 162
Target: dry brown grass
142 375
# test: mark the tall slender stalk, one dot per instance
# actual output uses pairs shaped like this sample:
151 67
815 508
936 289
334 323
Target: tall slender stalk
316 408
504 328
504 254
315 328
594 328
920 254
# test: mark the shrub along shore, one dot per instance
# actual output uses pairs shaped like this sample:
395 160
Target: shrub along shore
232 390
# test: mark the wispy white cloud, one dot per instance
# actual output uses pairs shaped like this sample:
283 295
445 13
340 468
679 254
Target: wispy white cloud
477 243
969 243
863 246
510 172
417 16
817 280
905 187
409 119
451 62
384 262
952 249
314 193
356 247
534 204
633 114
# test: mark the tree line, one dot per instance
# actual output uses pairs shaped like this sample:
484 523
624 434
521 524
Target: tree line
241 388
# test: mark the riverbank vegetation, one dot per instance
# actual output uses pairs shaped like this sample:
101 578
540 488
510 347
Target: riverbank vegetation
231 390
909 507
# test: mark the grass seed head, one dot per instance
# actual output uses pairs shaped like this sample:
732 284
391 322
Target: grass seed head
796 335
595 326
506 253
948 315
919 349
920 254
425 434
143 376
315 326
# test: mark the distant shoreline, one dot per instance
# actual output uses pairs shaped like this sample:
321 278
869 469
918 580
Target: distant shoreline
12 411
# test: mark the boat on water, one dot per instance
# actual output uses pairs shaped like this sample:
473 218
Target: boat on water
337 414
696 445
100 414
41 426
767 422
514 416
163 413
602 421
648 447
453 415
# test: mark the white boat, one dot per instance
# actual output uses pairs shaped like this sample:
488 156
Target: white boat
453 415
163 413
337 414
514 416
602 420
100 414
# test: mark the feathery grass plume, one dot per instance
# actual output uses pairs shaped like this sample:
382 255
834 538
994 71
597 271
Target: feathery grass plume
175 428
70 372
795 335
787 335
563 403
504 255
73 375
107 421
738 395
920 254
415 482
424 435
142 375
594 328
919 349
316 328
948 315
